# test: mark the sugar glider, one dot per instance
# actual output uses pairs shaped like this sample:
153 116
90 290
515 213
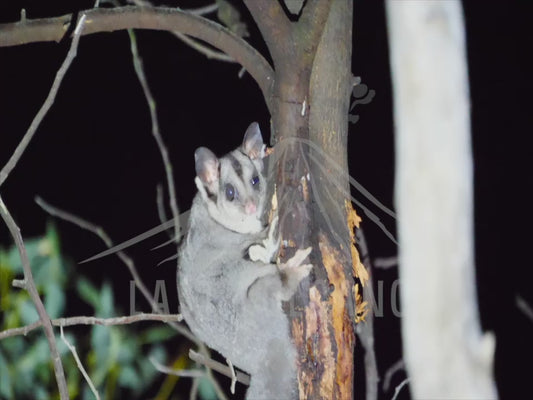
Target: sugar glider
229 289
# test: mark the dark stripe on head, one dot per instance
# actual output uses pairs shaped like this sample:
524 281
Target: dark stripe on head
236 165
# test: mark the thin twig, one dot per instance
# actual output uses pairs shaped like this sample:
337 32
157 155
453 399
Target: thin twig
219 367
202 49
19 283
365 330
161 210
139 70
186 373
4 173
193 394
32 290
202 10
399 387
397 366
524 307
79 364
82 320
54 211
216 386
233 376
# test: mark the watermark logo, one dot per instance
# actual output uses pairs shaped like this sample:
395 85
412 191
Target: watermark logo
361 95
377 304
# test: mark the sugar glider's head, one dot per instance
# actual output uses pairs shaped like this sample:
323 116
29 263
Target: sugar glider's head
233 187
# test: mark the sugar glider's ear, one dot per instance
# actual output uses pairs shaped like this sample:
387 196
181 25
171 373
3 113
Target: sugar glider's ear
252 144
207 168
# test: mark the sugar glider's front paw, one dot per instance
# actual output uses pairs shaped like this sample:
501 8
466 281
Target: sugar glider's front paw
268 249
258 253
271 243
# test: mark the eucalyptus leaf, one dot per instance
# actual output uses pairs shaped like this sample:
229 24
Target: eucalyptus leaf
206 390
28 313
128 351
6 390
129 377
148 371
157 334
88 292
40 392
13 347
106 305
54 300
100 343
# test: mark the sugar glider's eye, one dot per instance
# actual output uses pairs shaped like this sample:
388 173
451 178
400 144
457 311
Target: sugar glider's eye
255 181
230 191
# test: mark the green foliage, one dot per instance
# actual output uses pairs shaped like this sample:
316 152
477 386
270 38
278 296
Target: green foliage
116 358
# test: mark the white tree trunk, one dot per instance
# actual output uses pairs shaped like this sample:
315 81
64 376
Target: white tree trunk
445 352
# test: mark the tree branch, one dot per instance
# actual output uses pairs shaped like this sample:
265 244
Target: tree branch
32 290
314 17
274 25
81 320
186 373
167 19
445 351
200 48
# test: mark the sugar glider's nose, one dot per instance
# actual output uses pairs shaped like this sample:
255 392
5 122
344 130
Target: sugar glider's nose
250 207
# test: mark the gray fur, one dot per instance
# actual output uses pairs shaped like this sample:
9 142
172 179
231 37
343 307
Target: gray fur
230 302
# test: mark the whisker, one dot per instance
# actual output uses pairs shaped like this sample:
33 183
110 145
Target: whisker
321 205
175 239
173 257
373 217
353 182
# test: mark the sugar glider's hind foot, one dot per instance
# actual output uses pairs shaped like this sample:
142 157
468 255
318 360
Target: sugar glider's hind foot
296 259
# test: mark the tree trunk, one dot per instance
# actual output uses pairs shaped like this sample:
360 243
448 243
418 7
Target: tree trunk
311 104
445 352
